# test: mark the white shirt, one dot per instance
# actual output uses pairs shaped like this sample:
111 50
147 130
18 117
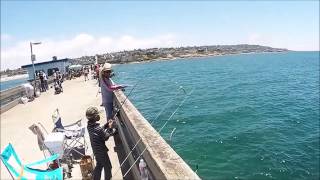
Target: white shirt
45 77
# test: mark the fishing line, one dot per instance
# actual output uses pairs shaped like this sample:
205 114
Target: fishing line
158 115
180 88
172 133
135 85
188 95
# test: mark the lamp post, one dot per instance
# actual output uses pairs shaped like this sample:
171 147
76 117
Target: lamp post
33 58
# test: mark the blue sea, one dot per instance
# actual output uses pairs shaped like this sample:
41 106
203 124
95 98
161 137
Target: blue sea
12 83
250 116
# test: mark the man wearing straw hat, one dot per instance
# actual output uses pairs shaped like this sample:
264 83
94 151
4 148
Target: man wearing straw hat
107 88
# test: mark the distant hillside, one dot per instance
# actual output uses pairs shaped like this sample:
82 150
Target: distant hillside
138 55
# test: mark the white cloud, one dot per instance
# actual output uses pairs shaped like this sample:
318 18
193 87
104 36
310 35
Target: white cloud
254 38
5 37
292 43
257 38
15 54
80 45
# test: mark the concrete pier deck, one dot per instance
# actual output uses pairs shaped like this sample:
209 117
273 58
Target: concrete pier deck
77 96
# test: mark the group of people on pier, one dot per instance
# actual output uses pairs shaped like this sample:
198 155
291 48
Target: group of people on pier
42 80
42 76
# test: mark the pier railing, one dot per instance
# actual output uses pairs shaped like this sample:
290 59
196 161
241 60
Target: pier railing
162 161
12 97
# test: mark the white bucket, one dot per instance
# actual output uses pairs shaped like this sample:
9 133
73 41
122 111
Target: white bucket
37 93
24 100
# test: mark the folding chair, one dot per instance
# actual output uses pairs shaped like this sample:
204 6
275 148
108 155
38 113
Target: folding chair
18 170
40 137
74 134
51 150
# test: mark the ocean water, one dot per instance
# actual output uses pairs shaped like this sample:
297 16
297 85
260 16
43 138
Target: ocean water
12 83
253 116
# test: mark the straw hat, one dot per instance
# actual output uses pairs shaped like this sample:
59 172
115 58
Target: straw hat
106 67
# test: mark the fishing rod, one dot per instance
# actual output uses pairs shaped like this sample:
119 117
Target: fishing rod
134 86
158 115
188 95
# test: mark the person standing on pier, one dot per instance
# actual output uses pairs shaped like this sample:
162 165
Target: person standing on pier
107 88
54 76
42 85
45 78
98 135
97 76
86 72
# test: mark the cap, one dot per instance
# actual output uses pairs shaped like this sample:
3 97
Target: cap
92 113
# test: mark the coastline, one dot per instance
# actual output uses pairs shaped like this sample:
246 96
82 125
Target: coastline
198 56
9 78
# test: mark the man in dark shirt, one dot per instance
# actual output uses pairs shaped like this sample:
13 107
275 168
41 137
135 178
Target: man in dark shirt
42 85
98 135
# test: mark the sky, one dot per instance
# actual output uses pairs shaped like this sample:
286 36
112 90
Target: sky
71 29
